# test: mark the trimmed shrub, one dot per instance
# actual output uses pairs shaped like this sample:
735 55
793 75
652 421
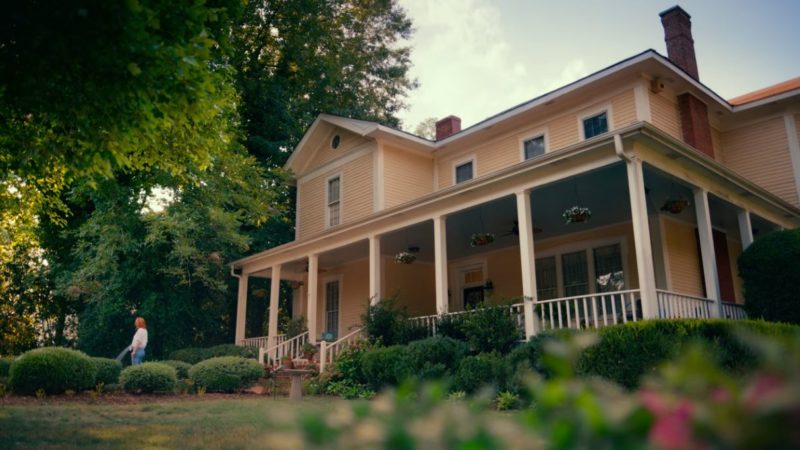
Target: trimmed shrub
194 355
148 378
436 357
452 327
387 323
771 274
530 354
106 370
480 370
5 365
181 368
226 373
387 366
191 355
54 369
626 353
491 329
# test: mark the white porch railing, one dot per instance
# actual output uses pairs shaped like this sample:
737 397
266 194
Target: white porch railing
261 341
328 351
733 311
292 347
672 305
589 311
431 322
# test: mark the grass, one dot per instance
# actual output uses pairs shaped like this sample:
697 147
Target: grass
237 423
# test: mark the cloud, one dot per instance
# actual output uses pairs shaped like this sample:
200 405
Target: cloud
467 64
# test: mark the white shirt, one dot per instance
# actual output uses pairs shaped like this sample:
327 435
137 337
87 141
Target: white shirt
140 338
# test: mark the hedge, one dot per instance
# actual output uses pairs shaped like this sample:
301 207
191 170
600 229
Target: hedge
481 370
181 368
148 378
53 369
387 366
626 353
226 373
435 357
771 277
194 355
106 370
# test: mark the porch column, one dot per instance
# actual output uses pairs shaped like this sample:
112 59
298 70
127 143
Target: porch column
527 260
745 229
241 309
708 257
641 238
274 304
313 262
374 269
440 263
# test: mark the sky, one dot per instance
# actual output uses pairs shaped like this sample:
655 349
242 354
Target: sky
476 58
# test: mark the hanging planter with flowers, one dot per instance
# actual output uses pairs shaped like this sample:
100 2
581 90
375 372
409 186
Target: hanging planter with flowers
675 206
480 239
577 214
405 258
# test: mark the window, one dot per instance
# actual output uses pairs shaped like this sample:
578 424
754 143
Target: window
533 147
594 125
334 203
575 273
464 172
332 308
546 278
335 142
608 272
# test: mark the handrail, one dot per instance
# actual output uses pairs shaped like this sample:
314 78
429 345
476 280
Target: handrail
674 305
578 297
292 347
335 347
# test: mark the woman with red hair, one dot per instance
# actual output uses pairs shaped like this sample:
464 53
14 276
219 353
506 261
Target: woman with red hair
139 342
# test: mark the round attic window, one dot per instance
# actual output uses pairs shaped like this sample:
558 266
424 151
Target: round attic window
335 142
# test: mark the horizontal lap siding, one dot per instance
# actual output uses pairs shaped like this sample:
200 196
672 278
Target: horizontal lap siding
683 258
563 132
354 295
406 176
325 154
664 114
623 107
413 285
760 152
356 190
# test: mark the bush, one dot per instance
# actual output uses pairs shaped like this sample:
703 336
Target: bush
106 370
771 275
388 324
387 366
181 368
452 326
530 354
481 370
53 369
626 353
436 357
349 364
194 355
148 378
226 373
491 329
5 365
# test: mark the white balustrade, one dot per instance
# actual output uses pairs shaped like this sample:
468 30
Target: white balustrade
733 311
590 310
286 347
672 305
328 351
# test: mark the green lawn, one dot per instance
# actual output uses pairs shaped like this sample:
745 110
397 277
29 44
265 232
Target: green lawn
261 422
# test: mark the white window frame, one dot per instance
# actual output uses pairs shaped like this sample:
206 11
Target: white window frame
542 132
325 282
459 271
588 247
461 162
589 113
328 202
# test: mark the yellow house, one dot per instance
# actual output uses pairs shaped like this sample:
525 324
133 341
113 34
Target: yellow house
676 180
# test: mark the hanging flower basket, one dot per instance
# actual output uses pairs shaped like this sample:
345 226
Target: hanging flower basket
577 214
480 239
405 258
675 206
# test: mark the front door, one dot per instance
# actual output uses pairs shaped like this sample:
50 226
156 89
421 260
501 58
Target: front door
473 296
332 308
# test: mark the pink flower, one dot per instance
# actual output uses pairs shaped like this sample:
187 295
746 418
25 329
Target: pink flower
672 428
762 388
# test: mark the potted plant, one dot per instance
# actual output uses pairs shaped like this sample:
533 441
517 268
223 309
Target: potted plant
577 214
286 362
405 258
309 350
480 239
675 206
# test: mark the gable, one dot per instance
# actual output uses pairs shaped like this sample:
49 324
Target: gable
321 152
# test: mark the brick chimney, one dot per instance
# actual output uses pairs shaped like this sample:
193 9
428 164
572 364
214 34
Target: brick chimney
678 36
695 127
447 126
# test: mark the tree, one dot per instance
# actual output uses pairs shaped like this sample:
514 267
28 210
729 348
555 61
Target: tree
427 129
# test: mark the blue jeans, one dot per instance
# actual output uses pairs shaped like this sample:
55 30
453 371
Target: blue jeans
138 357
